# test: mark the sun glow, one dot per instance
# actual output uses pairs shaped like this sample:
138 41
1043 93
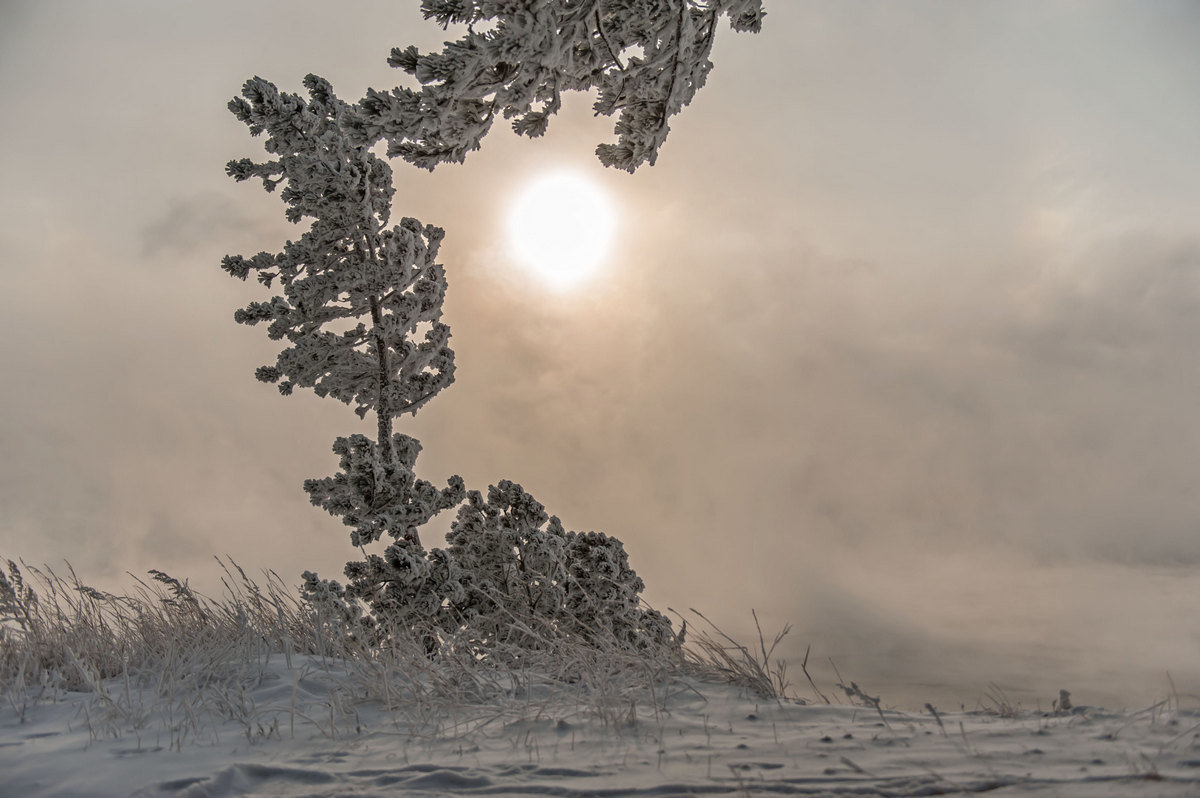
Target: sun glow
560 229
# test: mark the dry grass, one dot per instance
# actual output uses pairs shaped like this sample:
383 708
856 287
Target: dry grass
714 655
997 702
59 632
168 658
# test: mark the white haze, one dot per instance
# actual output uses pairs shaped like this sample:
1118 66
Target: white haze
898 344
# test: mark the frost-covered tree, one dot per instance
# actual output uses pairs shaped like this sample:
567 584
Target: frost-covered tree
646 59
529 576
360 304
360 311
512 579
360 307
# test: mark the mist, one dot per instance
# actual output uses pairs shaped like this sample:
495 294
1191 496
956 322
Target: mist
896 343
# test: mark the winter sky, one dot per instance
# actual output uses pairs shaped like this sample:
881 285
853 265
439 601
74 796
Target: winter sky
898 343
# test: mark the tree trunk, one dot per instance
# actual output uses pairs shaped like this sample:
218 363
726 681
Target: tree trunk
383 410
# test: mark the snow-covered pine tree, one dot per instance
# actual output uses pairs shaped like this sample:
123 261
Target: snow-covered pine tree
360 307
357 297
647 58
530 579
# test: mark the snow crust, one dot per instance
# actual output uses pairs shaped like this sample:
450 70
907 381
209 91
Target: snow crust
293 731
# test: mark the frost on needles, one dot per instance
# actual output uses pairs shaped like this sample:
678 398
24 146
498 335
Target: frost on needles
360 304
360 310
645 58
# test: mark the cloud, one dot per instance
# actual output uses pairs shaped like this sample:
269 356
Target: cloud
204 221
909 302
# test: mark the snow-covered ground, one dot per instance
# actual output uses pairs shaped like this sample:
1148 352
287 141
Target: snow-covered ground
297 730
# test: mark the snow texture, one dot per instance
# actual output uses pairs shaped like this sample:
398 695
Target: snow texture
292 731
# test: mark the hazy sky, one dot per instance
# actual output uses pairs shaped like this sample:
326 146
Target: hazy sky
898 342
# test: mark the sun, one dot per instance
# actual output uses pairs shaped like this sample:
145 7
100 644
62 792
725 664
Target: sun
560 229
